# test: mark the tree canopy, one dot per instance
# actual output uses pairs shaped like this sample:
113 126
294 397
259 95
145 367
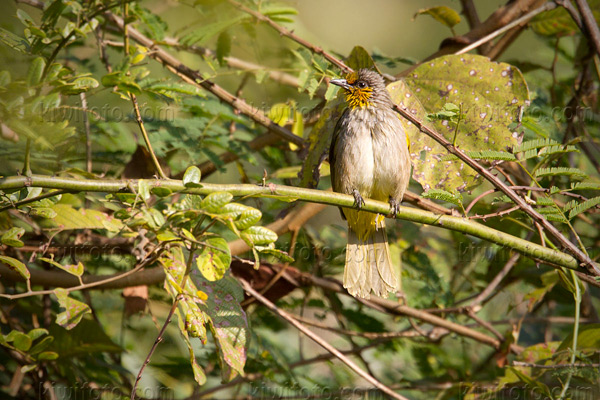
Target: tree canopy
168 229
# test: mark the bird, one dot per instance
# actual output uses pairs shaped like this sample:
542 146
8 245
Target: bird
369 158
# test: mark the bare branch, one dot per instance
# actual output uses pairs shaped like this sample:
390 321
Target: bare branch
588 20
320 341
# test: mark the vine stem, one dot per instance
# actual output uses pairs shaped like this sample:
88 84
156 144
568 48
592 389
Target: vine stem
577 297
286 193
320 341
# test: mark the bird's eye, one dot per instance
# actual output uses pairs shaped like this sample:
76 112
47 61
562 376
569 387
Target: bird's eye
361 84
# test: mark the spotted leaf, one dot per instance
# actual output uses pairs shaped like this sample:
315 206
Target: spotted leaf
491 96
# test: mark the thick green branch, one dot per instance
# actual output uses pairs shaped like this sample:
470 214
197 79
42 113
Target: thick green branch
463 225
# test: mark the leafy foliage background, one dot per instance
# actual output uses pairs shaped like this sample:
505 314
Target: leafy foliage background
248 106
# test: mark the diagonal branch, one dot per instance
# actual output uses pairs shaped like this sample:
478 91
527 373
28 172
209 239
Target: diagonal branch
195 78
320 341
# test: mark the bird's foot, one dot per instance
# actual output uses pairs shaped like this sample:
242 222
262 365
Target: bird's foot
395 206
358 200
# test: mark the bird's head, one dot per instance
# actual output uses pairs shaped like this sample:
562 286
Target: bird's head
364 88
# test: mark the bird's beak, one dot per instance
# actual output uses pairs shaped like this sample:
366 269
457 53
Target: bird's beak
340 82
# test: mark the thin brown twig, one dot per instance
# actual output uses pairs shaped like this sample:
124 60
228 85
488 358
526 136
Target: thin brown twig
471 313
20 203
155 345
557 366
249 377
481 297
567 5
158 339
140 122
233 62
101 282
289 34
320 341
411 333
388 306
495 214
507 27
589 21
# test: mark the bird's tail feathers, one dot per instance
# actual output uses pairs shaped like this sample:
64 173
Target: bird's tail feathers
369 265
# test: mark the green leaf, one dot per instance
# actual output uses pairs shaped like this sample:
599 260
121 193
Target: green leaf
199 375
4 79
85 83
20 340
214 259
228 322
258 235
574 173
248 218
36 69
85 339
587 339
69 218
359 58
492 155
532 383
74 309
47 356
281 255
44 212
13 41
215 201
584 206
41 345
439 194
201 35
37 333
161 191
28 368
144 189
223 47
12 237
16 266
24 17
443 14
192 176
72 269
558 22
534 144
585 185
490 95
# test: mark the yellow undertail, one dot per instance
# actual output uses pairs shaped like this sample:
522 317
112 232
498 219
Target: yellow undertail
368 263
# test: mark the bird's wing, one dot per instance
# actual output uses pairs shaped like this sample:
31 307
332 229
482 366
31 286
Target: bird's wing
336 134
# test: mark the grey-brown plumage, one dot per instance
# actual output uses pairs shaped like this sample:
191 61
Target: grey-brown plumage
369 158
